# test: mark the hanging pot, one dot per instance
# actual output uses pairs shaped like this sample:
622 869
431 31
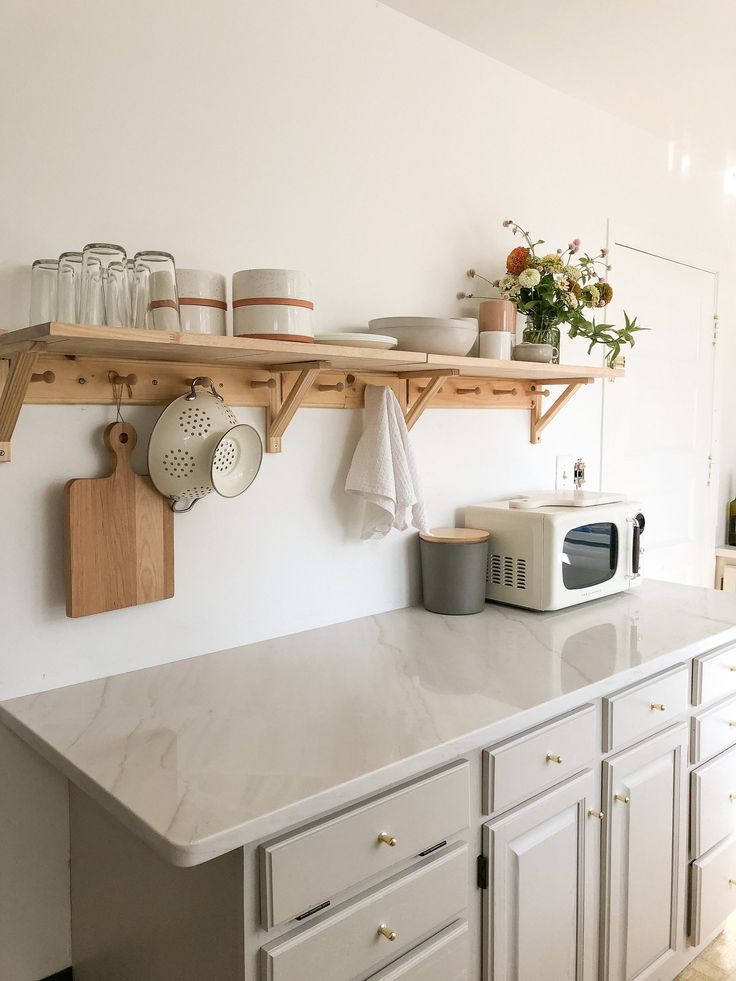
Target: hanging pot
197 446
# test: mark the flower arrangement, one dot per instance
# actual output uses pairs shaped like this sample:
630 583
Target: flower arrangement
559 288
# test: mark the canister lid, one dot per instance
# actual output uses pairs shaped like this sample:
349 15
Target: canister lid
455 536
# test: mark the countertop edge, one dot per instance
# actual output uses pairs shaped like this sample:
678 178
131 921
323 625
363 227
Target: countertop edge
332 798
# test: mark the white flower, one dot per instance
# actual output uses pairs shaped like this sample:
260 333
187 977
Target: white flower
573 273
571 299
529 278
506 284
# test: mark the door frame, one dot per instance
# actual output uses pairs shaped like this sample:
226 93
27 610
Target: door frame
620 237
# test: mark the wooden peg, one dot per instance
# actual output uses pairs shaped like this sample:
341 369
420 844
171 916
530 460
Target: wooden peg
116 379
423 388
270 383
468 391
43 376
339 387
504 391
204 380
540 391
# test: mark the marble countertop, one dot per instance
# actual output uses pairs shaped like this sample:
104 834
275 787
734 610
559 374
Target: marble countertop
204 755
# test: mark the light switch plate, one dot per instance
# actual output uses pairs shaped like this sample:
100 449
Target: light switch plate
564 472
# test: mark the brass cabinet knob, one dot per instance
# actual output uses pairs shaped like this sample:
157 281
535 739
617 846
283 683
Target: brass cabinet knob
732 669
732 724
732 882
387 839
596 814
732 796
553 758
383 931
657 707
624 798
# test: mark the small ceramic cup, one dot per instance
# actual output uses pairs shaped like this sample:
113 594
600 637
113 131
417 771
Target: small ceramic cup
202 301
273 304
542 353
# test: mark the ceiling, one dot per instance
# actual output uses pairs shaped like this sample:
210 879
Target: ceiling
667 66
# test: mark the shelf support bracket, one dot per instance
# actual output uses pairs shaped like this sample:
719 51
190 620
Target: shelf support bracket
539 422
435 383
11 399
279 414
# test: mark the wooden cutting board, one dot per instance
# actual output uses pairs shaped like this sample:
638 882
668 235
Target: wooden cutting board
120 536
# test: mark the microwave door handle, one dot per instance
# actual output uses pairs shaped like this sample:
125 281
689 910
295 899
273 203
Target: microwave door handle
635 547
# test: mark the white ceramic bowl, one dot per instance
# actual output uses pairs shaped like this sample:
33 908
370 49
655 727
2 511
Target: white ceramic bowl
272 303
429 335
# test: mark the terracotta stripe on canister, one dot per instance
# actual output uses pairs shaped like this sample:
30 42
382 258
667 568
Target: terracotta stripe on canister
158 304
201 301
279 301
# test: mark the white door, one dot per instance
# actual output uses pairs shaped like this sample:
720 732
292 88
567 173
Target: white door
539 909
658 420
644 857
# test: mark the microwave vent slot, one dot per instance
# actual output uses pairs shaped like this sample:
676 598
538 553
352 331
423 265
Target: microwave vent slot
505 570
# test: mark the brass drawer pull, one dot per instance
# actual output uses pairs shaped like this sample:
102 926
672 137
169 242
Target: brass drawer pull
387 839
553 758
383 931
624 798
596 814
657 707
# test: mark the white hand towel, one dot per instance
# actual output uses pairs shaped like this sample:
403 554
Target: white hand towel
383 471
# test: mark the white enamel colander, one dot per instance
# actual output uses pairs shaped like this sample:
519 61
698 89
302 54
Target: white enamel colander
197 446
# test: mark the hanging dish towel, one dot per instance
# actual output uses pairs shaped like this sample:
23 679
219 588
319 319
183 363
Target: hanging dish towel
383 471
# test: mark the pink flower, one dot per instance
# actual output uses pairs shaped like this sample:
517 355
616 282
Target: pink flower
604 253
470 273
465 296
507 223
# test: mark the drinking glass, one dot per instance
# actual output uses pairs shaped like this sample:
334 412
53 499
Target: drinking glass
105 291
44 276
156 301
69 289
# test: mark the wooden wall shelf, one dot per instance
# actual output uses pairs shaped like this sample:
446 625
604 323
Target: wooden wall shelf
56 364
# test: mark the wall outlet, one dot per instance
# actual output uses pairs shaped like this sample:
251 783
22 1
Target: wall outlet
564 473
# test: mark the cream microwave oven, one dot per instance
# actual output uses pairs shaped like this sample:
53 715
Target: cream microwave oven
547 556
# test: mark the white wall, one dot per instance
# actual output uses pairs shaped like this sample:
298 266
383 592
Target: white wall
335 136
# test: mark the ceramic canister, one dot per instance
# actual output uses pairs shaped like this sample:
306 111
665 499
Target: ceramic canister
202 301
497 315
163 301
273 304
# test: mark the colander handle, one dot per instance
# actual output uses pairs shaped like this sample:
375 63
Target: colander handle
189 507
202 382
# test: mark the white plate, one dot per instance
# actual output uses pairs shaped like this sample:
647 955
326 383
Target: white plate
377 341
389 323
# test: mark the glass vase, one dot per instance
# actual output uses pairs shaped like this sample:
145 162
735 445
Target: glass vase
540 333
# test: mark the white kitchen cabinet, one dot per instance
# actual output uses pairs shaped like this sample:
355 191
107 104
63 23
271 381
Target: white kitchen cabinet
644 857
540 906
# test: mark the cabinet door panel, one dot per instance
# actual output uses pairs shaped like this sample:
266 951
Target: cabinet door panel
645 799
539 910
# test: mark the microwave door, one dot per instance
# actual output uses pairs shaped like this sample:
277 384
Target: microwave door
590 555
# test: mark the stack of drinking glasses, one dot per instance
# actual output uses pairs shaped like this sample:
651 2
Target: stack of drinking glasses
100 285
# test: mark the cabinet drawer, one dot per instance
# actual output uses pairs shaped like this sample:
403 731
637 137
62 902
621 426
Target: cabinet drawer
713 815
443 958
521 766
714 675
645 707
303 870
712 897
713 731
347 943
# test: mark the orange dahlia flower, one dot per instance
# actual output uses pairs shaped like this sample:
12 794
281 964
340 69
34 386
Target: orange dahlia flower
518 260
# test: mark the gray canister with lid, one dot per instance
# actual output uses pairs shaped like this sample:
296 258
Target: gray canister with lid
454 562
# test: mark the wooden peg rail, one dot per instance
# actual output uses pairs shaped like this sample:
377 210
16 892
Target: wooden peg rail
58 364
